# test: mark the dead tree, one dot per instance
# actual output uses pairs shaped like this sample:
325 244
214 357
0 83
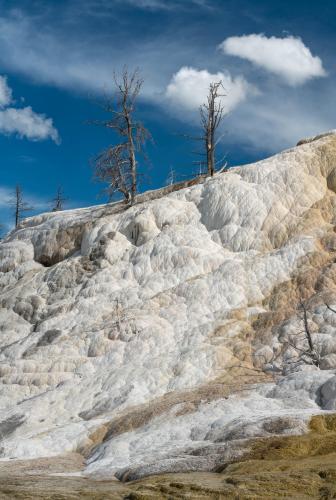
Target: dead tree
307 351
20 206
306 327
211 117
171 179
58 201
211 114
111 167
118 164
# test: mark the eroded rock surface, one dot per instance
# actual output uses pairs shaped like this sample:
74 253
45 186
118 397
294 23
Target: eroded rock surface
114 321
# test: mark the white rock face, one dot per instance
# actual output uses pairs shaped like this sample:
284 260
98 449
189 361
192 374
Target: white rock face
107 315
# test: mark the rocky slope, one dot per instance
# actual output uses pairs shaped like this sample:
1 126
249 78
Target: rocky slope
166 337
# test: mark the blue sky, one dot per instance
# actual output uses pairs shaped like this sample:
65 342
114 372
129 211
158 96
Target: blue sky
276 60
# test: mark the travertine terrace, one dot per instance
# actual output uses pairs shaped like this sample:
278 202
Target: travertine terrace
154 338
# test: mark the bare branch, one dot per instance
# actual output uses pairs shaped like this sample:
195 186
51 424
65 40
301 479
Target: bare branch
117 165
330 308
211 116
59 200
20 206
306 326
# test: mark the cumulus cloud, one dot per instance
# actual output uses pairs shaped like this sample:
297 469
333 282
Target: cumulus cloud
26 123
271 120
23 122
286 57
5 92
189 87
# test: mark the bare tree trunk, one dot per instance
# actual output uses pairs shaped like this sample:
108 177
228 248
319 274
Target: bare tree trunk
212 154
20 206
306 327
209 152
211 116
133 164
17 205
211 145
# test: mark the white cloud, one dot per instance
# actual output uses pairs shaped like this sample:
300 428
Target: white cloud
272 121
39 53
286 57
275 119
26 123
5 92
38 48
268 121
189 88
23 122
5 196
